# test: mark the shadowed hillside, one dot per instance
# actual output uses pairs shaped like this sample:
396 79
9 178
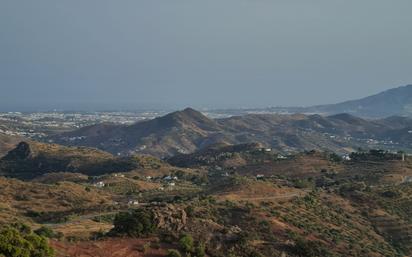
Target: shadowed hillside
31 159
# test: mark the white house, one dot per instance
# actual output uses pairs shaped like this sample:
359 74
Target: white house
281 157
133 202
346 157
168 178
99 184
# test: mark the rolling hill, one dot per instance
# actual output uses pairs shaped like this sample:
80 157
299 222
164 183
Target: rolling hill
31 159
392 102
397 101
189 130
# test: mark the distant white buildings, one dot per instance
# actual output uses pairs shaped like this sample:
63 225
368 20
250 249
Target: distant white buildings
169 178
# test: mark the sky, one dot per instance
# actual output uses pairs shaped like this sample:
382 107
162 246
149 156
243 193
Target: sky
105 54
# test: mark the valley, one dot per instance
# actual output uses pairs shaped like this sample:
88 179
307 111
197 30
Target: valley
238 200
191 183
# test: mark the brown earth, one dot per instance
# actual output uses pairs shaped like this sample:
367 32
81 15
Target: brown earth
115 247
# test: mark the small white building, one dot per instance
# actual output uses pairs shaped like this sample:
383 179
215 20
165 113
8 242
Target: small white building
99 184
281 157
167 178
346 157
133 202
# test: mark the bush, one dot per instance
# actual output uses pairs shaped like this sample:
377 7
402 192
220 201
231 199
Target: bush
303 183
190 210
173 253
335 158
200 250
304 248
45 232
391 194
23 243
255 253
135 224
186 243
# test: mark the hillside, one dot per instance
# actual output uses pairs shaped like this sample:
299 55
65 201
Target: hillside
188 130
392 102
397 101
32 159
182 131
236 200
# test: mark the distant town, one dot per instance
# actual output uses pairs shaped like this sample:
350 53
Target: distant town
37 125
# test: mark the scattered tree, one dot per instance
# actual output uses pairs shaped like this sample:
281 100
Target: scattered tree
186 243
135 224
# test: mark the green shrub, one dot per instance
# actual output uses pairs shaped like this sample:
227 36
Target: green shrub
335 158
45 232
304 248
255 253
186 243
173 253
135 224
200 250
23 243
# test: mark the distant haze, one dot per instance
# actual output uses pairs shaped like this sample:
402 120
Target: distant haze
101 54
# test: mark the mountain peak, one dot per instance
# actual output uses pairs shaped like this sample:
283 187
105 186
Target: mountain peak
189 112
188 116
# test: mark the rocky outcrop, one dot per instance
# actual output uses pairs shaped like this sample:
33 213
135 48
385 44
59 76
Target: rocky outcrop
170 218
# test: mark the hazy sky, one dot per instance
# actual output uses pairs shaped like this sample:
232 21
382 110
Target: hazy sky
210 53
